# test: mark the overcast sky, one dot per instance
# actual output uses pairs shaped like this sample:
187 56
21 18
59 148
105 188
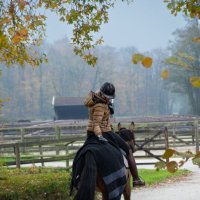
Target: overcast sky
145 24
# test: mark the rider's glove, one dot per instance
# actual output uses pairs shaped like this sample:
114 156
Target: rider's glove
102 139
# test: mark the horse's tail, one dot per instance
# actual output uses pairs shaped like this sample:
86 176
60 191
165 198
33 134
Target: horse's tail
87 185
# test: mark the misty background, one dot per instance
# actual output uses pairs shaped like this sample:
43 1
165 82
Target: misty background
144 26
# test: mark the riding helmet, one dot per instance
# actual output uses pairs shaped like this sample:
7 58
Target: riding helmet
108 90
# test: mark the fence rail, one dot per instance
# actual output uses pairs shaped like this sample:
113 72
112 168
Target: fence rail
55 142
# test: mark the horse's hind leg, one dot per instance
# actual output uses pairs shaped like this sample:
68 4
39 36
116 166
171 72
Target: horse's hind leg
127 190
127 193
101 187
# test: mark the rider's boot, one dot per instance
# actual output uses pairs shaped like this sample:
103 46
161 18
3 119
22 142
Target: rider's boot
137 181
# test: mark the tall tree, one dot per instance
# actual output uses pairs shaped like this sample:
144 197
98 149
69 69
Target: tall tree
185 65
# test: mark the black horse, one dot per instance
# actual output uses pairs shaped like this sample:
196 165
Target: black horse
100 167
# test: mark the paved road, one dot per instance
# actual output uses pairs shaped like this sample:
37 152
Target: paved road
187 188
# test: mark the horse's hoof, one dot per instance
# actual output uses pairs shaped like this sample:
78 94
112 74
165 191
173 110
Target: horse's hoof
138 183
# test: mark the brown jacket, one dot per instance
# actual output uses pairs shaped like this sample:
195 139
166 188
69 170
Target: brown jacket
99 114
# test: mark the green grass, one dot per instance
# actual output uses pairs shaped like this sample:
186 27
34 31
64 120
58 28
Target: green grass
53 184
153 177
5 159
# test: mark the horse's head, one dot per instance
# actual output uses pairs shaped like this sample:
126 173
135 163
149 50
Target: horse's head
127 134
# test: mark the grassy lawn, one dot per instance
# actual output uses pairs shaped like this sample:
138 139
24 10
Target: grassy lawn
53 184
12 158
153 177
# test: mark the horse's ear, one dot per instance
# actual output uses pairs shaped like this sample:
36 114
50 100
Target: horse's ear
132 126
119 126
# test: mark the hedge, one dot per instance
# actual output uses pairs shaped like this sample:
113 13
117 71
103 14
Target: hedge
34 184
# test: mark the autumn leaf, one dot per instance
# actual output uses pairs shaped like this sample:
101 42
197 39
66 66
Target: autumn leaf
22 4
165 74
196 40
147 62
168 153
23 32
68 18
16 39
20 35
5 21
137 58
196 159
172 166
27 17
195 81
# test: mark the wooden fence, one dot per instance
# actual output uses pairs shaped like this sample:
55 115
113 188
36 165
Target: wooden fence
57 142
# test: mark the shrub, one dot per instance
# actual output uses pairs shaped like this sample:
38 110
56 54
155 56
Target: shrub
35 183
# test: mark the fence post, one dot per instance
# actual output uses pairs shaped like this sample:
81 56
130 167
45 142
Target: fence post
193 133
22 131
58 132
174 134
148 145
166 140
2 136
66 152
57 148
41 153
17 155
196 129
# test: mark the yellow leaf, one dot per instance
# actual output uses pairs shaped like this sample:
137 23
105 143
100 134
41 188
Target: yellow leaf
168 153
137 58
147 62
165 74
172 166
68 17
195 81
23 32
196 39
16 38
11 30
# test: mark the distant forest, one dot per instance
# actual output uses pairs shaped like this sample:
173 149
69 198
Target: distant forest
139 91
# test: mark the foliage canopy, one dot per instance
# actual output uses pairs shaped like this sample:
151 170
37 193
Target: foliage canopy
22 26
